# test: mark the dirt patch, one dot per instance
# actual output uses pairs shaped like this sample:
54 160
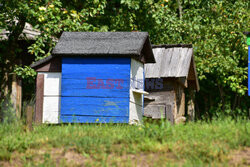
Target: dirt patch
240 157
53 156
143 159
70 157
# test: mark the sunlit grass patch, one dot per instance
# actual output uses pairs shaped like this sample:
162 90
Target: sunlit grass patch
159 144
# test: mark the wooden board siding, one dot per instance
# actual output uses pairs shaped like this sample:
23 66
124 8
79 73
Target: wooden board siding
39 98
136 99
180 101
91 91
172 96
52 97
161 98
166 98
54 65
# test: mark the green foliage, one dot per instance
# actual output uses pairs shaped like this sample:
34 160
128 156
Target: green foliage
202 142
25 72
214 27
8 116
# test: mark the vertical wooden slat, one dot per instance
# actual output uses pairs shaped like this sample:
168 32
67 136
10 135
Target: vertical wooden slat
29 116
16 95
191 106
39 98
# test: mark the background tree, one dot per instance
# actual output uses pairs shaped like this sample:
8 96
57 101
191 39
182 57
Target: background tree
51 18
214 27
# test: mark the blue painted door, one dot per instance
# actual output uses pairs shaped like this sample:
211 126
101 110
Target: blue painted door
95 90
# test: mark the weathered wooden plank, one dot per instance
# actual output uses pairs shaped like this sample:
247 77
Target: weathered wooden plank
154 70
166 98
164 62
174 62
93 119
170 62
16 95
155 111
95 106
29 116
39 98
185 61
191 106
180 101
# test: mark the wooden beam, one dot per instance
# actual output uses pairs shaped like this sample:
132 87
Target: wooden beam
182 81
16 95
39 98
192 76
191 106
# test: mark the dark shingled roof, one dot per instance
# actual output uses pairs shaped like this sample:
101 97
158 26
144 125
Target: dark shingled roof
46 59
128 44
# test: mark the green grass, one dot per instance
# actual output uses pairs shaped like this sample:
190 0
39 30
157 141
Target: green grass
192 144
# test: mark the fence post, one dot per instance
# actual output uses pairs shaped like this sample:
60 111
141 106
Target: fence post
29 117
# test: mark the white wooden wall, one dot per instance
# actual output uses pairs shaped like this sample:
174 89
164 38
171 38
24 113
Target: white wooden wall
136 99
52 97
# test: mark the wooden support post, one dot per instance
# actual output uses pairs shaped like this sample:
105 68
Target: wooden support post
29 117
16 95
191 106
39 98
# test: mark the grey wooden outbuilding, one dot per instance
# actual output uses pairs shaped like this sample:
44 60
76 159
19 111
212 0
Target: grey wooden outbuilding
166 81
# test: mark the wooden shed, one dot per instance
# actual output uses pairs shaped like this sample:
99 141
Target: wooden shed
23 58
93 77
166 81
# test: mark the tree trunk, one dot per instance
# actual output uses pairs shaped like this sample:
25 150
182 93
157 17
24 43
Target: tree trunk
16 95
9 56
180 9
222 96
235 101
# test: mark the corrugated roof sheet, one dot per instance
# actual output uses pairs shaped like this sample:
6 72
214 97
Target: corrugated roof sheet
171 61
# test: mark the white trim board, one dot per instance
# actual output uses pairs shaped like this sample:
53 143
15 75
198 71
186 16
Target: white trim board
135 98
52 97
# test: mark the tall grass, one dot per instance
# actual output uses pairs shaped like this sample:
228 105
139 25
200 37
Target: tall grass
193 143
